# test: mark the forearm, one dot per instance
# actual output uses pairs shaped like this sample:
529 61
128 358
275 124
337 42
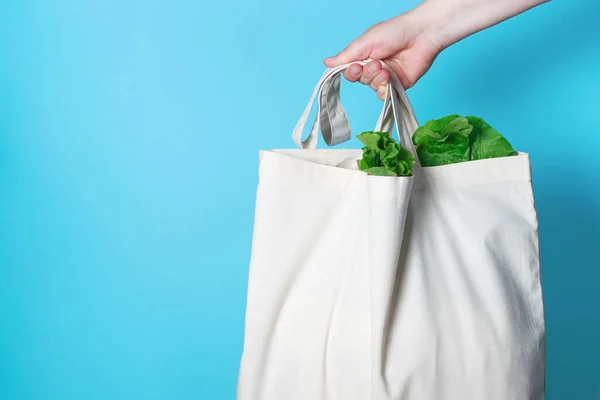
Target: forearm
448 21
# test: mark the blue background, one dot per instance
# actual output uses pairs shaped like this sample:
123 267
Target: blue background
129 133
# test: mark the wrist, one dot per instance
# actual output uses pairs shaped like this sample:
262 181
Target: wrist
431 19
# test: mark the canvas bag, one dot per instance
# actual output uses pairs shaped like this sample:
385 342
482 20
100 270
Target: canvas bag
363 287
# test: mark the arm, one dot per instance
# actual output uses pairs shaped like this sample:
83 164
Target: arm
449 21
410 42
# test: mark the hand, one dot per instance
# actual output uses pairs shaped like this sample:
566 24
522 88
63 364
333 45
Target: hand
410 42
402 43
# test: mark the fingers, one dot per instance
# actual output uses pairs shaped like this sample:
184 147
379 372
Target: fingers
381 92
372 75
370 71
353 73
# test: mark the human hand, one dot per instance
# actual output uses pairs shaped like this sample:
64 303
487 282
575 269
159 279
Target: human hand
410 42
401 42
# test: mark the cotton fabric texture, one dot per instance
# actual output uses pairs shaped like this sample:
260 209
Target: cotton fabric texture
391 288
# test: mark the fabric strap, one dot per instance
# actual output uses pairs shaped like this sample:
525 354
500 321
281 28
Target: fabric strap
333 120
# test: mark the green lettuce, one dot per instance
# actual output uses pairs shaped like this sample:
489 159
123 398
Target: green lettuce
486 142
382 156
455 139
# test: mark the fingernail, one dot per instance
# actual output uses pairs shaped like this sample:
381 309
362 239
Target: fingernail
354 70
373 67
330 59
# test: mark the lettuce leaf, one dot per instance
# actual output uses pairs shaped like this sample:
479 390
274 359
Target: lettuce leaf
443 141
382 156
455 139
486 142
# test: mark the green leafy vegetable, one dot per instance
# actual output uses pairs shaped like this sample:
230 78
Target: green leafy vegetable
455 139
443 141
486 142
382 156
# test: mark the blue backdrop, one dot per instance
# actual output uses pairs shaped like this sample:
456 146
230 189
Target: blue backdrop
129 133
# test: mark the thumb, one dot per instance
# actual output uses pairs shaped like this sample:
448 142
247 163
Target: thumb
357 50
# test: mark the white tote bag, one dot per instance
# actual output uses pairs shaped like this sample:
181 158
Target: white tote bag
378 288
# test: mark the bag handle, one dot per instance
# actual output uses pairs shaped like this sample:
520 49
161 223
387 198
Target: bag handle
332 118
396 108
341 124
